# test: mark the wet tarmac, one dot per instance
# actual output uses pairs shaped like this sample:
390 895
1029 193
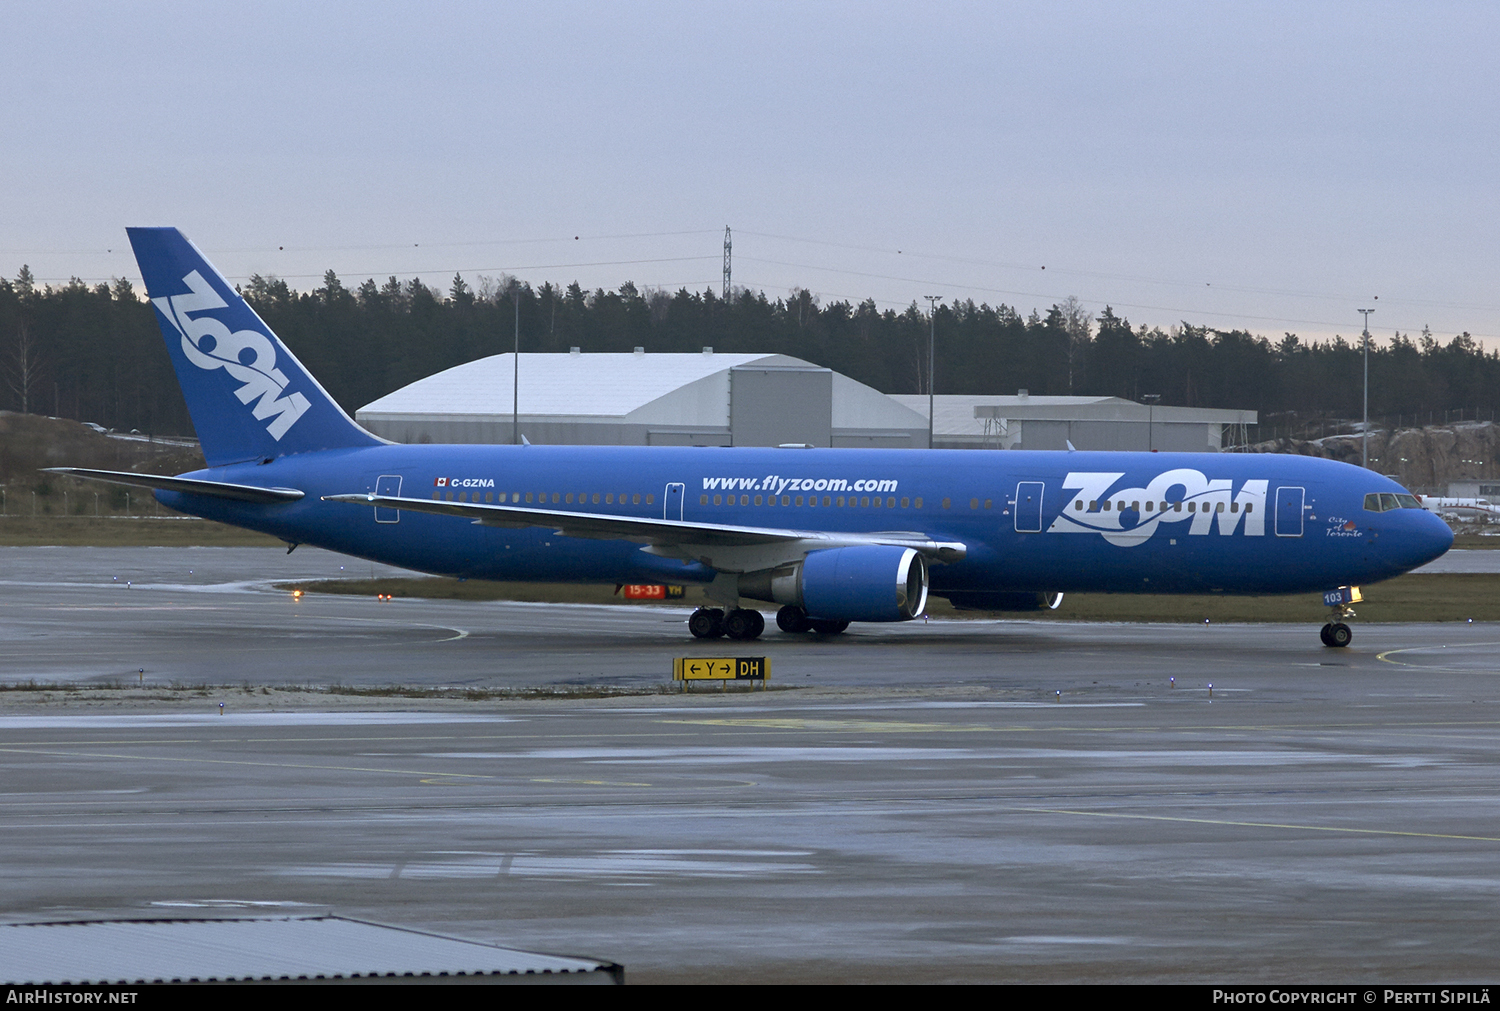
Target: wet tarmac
948 801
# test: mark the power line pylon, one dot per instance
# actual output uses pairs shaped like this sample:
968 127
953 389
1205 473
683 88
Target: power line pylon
727 245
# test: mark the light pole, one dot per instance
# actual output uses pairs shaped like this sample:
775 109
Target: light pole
1364 446
1151 399
932 301
515 386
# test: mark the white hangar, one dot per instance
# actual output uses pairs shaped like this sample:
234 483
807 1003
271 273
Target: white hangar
644 399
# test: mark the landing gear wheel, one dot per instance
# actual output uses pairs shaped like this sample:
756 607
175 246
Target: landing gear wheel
827 626
707 623
743 623
1340 635
1326 634
792 618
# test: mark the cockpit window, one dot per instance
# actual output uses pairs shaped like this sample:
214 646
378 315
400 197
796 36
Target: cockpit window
1379 502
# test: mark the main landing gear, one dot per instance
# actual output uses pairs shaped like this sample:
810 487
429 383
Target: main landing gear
792 618
739 623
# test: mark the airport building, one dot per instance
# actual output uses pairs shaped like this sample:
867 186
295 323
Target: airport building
1090 423
710 399
638 399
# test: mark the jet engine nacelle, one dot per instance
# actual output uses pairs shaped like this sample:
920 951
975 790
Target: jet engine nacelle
865 583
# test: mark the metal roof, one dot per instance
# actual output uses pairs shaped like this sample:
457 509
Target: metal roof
260 948
965 414
572 385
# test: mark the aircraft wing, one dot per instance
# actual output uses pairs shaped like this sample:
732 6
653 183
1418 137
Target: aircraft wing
189 485
669 537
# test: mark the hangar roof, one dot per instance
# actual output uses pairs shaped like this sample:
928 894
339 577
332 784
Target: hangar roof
574 385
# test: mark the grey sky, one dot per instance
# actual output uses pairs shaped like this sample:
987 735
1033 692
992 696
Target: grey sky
1268 166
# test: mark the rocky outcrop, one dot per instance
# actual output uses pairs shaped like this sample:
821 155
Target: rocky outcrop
1420 458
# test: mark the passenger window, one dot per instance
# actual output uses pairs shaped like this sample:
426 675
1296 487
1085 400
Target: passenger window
437 495
1249 507
839 501
744 500
1093 505
919 503
568 498
864 501
718 500
1192 507
876 502
634 499
1234 507
905 503
1177 507
1135 506
973 503
947 503
827 501
757 500
786 500
610 497
890 503
1219 507
799 499
594 498
989 503
650 499
1108 505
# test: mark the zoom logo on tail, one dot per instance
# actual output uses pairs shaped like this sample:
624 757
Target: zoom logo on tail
246 355
1129 516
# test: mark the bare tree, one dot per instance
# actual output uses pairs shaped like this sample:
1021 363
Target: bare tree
1078 323
659 300
804 303
23 366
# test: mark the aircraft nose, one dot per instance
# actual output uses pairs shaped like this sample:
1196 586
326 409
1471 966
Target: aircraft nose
1430 539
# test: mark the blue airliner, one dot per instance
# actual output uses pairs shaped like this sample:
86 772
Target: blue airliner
832 535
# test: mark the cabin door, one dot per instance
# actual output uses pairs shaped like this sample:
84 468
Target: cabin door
1289 511
671 508
1029 507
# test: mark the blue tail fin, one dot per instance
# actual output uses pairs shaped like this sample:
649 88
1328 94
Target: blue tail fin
249 397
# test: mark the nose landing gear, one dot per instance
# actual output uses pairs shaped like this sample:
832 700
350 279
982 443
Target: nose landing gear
1336 633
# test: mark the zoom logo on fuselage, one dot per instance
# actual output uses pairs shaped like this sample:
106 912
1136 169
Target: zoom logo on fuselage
209 345
1129 516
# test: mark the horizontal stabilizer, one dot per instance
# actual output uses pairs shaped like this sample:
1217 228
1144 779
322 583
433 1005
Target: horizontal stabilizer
659 532
186 485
